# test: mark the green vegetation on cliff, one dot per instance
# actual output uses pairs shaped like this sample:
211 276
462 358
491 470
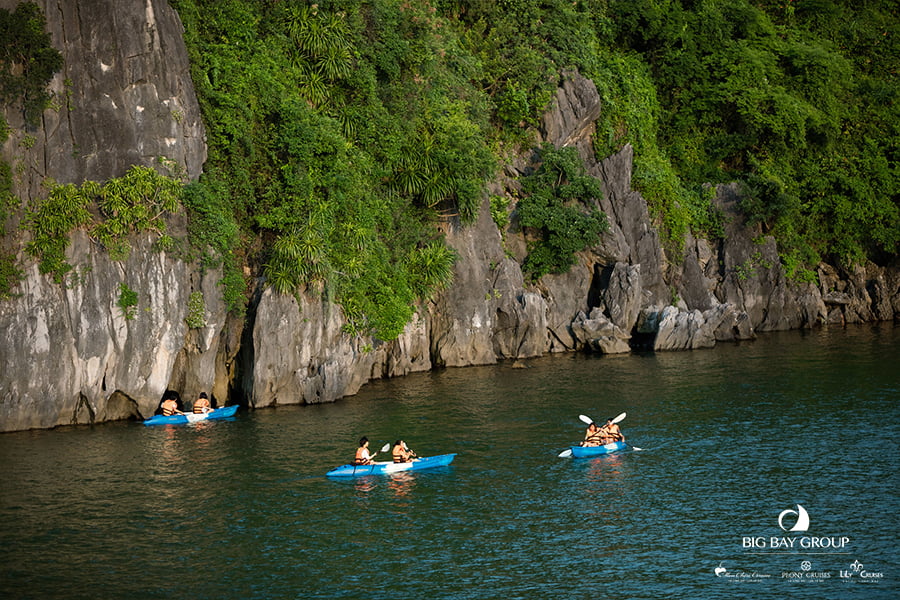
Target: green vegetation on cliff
27 63
796 99
27 60
556 203
341 133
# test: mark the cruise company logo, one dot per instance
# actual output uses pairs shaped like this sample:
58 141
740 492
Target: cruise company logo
806 573
800 524
803 556
739 575
858 571
795 521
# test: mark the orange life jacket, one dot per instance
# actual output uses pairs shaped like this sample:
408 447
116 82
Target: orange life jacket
362 456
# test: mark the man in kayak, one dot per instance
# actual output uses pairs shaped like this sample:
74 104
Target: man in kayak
362 453
611 432
201 404
402 453
592 437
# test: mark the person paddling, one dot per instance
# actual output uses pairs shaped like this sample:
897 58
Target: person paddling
611 432
201 404
170 407
362 453
402 453
592 436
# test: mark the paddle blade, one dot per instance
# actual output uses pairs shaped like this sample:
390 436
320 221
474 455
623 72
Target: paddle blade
565 453
619 418
586 419
386 447
636 449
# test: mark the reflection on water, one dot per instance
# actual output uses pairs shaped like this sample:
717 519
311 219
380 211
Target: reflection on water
731 437
401 485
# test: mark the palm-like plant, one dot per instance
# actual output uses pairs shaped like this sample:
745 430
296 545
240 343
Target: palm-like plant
432 268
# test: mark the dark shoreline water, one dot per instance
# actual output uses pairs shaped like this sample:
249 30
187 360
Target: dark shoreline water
731 438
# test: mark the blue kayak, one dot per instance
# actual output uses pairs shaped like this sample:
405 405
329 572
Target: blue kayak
219 413
386 468
587 451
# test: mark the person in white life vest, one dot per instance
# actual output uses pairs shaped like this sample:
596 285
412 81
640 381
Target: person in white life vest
362 453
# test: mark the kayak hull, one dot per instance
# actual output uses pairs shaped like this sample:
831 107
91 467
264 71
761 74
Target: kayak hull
219 413
588 451
386 468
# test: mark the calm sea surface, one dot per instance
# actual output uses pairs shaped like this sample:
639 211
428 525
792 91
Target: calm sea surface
730 438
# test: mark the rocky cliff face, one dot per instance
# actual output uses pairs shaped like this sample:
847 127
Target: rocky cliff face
69 354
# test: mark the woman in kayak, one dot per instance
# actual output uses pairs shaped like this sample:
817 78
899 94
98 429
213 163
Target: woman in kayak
402 453
362 453
201 404
593 435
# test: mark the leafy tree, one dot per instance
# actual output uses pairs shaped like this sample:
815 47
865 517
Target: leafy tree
560 206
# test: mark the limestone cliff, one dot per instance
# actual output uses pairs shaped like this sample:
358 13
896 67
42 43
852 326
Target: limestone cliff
124 97
69 354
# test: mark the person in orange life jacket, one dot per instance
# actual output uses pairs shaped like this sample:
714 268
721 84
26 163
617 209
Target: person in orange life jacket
170 407
362 453
201 404
402 453
611 432
592 436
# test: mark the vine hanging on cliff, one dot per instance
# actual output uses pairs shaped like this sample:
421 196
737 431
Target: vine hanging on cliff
27 60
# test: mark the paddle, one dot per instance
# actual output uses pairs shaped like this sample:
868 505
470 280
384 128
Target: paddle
384 448
412 454
588 420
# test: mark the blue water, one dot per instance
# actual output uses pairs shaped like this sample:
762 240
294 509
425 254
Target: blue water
729 438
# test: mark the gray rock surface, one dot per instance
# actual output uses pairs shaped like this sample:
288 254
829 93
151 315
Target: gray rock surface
69 354
124 96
